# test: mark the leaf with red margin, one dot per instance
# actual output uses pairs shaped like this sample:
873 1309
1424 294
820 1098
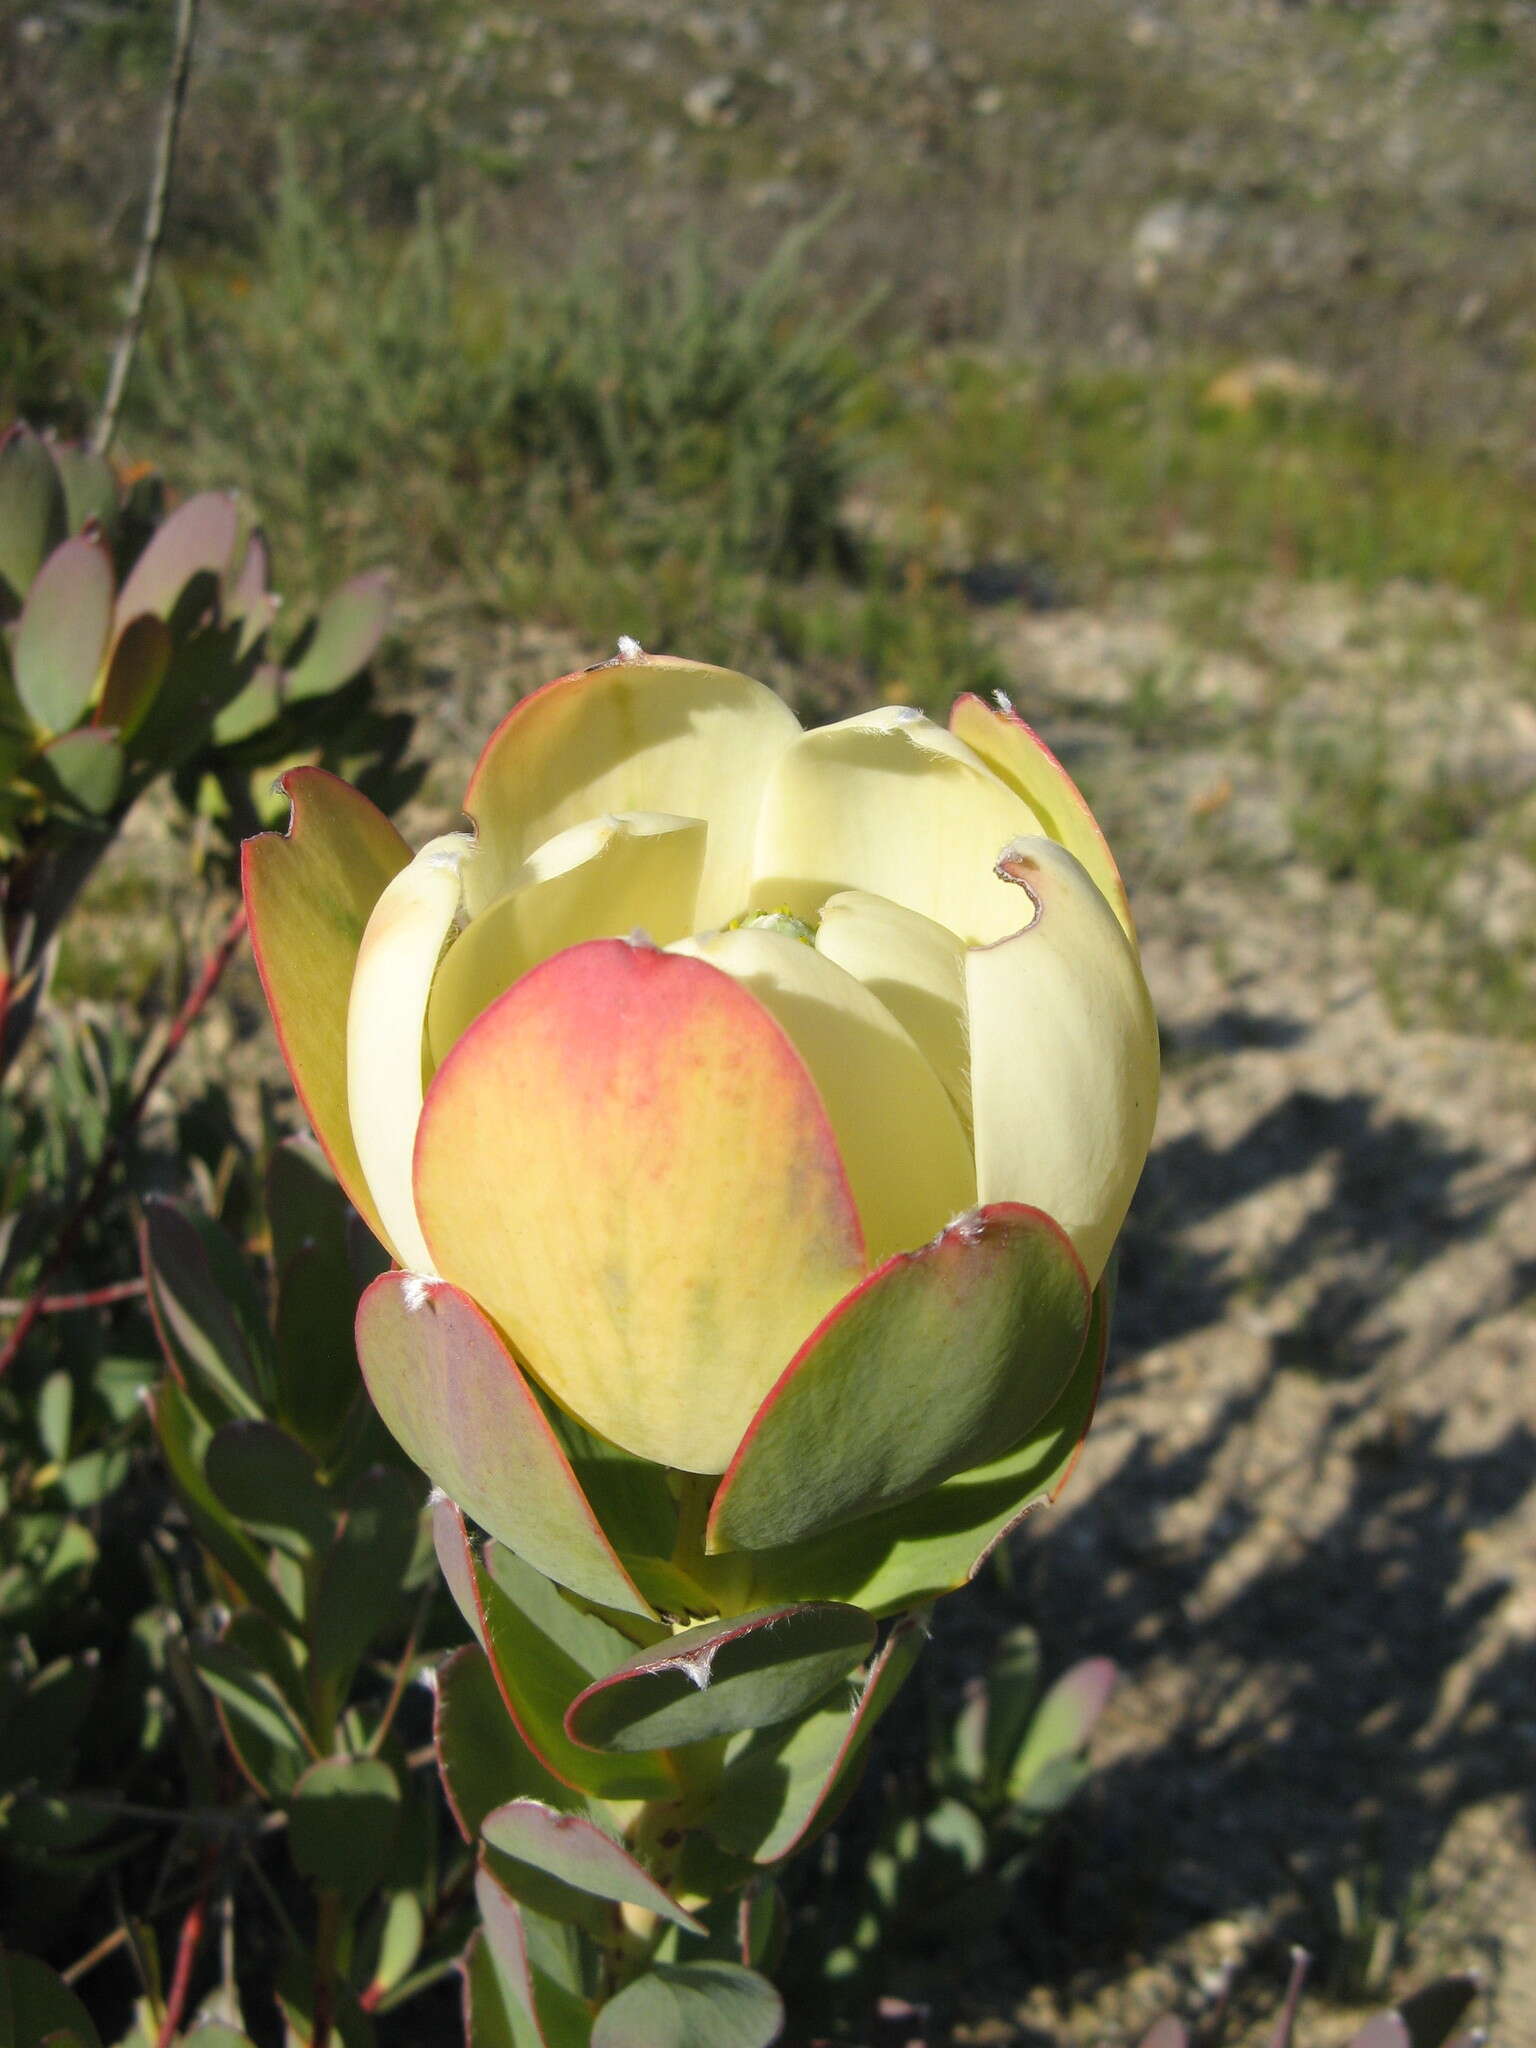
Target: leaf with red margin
342 637
544 1652
540 2011
779 1786
452 1395
61 636
749 1671
942 1360
481 1758
309 892
573 1851
197 540
913 1553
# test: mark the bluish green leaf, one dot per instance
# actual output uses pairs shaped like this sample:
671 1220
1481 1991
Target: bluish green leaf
90 487
267 1480
944 1359
544 1652
183 1438
1059 1734
198 540
33 515
569 1848
778 1786
206 1313
483 1760
911 1554
537 2010
86 767
363 1573
136 667
36 2004
722 1676
343 638
692 2005
61 636
453 1396
342 1822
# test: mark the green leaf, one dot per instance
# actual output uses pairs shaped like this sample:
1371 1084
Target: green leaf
36 2004
1000 1712
40 1734
86 768
196 542
136 668
206 671
267 1481
483 1760
722 1676
492 2018
342 1822
204 1308
568 1847
456 1561
306 1209
363 1573
453 1396
779 1785
1059 1734
55 1411
630 1496
61 636
544 1651
33 517
317 1378
539 2010
90 487
943 1359
343 637
692 2005
183 1437
911 1554
250 1695
396 1940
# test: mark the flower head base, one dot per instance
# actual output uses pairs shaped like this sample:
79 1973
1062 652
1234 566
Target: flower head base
699 1191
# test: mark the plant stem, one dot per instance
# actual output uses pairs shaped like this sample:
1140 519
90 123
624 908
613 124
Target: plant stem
196 1002
188 1942
94 1297
327 1935
154 228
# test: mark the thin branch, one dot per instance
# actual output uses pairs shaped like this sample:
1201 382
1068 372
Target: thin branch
94 1297
197 1001
188 1943
402 1670
154 227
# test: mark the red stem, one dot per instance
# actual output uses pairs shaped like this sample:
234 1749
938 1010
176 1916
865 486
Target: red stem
94 1297
196 1002
188 1943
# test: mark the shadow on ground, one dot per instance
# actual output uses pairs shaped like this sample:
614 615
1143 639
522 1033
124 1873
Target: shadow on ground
1298 1570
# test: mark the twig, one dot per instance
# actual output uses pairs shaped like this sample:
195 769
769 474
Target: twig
94 1297
154 227
323 1991
188 1942
107 1946
207 981
402 1670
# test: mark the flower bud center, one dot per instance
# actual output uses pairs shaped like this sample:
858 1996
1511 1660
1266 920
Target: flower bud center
784 922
